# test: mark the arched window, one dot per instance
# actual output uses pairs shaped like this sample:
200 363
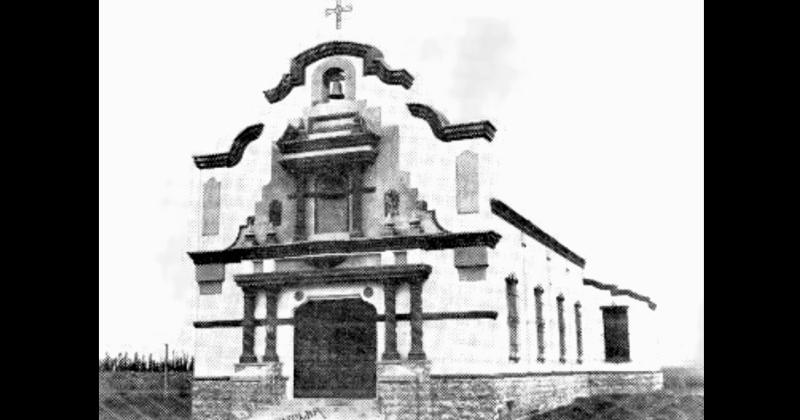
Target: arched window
211 207
467 182
331 208
275 212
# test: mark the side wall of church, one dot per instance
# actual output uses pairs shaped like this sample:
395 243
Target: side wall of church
535 265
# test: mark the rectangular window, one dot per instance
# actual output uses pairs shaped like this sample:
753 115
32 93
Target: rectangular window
579 332
538 291
513 318
562 342
615 330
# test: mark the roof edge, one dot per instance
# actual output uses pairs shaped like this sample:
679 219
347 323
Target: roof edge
616 291
505 212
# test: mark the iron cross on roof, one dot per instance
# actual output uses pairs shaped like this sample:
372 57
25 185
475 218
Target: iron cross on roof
338 10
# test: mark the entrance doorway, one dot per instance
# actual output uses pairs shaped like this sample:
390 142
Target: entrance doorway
335 349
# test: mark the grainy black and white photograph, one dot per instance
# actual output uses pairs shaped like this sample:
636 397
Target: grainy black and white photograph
401 210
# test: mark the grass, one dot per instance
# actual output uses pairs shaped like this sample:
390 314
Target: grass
683 378
145 405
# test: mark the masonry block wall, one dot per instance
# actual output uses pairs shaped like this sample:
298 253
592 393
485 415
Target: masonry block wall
225 399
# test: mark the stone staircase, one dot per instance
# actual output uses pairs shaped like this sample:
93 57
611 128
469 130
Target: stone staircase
320 408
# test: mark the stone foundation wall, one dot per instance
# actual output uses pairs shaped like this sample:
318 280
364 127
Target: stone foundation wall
507 397
465 398
624 382
229 399
414 394
541 392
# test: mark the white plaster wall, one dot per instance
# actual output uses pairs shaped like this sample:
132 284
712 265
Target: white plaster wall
559 276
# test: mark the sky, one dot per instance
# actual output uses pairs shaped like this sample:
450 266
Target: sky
598 105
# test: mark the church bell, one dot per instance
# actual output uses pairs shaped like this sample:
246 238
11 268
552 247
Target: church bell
336 90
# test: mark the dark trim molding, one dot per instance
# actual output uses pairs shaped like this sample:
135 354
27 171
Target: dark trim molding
412 273
430 242
339 160
303 144
429 316
234 155
447 132
616 291
525 374
374 65
508 214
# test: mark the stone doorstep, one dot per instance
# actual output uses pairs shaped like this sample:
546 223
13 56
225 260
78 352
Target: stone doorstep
257 371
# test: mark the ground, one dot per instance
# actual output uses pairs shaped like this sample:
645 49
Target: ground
145 405
661 405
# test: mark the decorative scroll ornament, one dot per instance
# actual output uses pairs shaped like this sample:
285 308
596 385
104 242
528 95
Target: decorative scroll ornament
373 66
232 157
447 132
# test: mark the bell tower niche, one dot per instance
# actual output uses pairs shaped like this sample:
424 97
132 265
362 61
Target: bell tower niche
333 82
327 154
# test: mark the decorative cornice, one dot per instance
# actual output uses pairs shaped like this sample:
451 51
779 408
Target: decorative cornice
616 291
301 145
446 132
232 157
337 160
426 242
539 374
517 220
411 273
374 65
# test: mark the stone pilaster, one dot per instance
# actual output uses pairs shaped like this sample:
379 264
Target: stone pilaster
356 187
390 324
248 327
300 211
417 351
271 324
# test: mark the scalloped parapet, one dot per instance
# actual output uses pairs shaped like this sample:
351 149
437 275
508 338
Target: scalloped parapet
234 155
374 65
447 132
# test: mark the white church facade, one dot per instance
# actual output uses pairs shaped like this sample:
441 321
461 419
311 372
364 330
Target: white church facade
359 254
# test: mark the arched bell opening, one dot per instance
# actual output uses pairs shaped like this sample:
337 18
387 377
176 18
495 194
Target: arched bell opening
332 81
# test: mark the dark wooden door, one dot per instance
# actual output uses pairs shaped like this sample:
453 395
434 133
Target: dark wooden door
335 349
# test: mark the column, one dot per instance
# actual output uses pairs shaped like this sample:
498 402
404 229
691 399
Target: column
300 210
248 327
356 190
417 352
390 323
271 324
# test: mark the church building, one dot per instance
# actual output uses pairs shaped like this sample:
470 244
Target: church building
358 258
